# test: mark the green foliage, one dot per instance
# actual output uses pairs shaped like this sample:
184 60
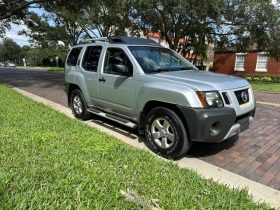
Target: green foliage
262 78
231 24
40 56
35 56
10 50
69 23
249 24
49 161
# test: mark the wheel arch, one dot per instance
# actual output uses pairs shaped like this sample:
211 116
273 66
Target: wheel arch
71 87
153 104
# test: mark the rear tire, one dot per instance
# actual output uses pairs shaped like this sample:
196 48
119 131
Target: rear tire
78 105
166 134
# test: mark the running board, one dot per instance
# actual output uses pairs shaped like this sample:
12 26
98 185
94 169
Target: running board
114 118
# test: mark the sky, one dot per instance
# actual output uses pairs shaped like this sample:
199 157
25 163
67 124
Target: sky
13 32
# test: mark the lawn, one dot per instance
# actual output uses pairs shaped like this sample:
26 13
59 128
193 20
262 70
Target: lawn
49 161
266 86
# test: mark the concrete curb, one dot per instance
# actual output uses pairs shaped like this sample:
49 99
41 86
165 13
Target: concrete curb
264 91
258 191
268 103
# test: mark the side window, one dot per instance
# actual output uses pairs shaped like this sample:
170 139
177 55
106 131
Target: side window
73 56
115 56
91 58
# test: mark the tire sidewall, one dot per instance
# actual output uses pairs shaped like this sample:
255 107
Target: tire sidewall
79 94
179 132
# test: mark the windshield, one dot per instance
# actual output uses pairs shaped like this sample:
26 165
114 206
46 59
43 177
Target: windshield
159 59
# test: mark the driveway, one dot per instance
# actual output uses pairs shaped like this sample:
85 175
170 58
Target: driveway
255 155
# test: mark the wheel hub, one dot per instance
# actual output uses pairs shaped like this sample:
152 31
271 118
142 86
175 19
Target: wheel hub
77 104
162 133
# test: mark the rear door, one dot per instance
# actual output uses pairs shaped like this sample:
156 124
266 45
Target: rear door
89 67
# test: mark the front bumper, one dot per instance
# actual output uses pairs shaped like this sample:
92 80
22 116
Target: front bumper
214 125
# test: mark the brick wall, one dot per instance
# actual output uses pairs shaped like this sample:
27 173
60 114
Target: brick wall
224 62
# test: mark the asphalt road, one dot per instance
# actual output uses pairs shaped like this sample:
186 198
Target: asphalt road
255 155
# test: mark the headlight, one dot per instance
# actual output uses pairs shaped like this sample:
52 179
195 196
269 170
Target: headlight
210 99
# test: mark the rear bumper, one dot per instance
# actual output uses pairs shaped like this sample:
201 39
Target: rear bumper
214 125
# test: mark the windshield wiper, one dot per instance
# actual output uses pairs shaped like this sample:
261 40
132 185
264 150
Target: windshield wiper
158 70
187 68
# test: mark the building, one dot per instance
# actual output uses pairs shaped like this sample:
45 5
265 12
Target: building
251 62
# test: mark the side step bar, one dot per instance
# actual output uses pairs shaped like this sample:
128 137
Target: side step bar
114 118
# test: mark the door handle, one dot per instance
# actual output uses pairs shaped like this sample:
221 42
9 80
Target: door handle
102 79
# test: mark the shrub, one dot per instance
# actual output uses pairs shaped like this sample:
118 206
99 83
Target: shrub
262 78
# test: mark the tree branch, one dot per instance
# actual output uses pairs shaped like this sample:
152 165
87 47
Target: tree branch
21 7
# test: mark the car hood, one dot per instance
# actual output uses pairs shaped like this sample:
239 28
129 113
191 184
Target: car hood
204 80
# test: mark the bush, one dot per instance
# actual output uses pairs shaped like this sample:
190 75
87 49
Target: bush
262 78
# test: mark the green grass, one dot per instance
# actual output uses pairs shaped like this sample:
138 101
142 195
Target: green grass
266 86
49 161
49 68
55 68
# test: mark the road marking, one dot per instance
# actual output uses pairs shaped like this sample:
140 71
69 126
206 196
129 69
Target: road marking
268 103
258 191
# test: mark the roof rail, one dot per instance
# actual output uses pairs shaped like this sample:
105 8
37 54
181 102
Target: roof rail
121 40
93 40
131 40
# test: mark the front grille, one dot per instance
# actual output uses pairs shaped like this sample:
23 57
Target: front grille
242 96
225 96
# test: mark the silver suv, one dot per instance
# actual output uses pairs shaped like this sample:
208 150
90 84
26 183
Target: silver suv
140 84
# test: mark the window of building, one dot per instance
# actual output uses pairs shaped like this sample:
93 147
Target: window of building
240 61
73 56
91 58
262 62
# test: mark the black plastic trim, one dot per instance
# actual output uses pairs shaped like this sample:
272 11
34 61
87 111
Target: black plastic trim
66 87
201 121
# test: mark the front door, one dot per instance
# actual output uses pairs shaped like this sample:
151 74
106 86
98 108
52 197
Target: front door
116 92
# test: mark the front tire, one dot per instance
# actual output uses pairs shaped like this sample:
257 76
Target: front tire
166 133
78 105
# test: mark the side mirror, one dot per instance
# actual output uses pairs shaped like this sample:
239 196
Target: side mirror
122 69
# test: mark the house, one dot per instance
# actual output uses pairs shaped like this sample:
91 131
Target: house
251 62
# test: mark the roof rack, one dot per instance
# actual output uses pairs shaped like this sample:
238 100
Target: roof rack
131 40
93 40
121 40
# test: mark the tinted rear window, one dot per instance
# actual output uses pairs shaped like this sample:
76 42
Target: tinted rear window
73 56
91 58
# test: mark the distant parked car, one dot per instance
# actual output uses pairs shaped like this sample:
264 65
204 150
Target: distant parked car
2 64
10 65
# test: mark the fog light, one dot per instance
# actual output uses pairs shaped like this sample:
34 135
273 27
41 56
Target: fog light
215 129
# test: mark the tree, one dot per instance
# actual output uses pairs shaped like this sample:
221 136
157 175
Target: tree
10 51
10 8
249 23
16 10
69 23
227 23
179 22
